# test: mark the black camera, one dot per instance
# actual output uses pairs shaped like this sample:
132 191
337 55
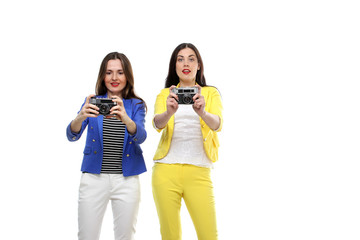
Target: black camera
185 94
104 104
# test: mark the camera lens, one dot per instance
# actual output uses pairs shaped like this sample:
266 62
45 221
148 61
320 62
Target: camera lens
104 109
187 99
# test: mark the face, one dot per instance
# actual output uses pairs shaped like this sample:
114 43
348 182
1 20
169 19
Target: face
186 67
115 79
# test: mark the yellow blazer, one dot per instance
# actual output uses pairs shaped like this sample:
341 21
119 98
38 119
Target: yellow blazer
210 139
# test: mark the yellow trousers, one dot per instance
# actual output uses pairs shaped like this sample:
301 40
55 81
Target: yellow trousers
171 183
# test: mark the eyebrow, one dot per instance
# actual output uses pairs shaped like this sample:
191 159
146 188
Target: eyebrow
114 70
192 55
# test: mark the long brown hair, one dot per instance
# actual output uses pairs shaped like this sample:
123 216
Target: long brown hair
128 91
172 77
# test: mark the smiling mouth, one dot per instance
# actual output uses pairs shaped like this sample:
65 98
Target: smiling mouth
186 71
114 84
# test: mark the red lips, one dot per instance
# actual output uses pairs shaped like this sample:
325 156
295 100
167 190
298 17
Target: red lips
114 84
186 71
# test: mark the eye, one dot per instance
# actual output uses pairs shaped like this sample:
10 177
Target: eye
108 72
120 72
180 59
192 59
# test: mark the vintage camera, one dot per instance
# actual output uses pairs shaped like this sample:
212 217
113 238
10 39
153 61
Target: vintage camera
104 104
185 94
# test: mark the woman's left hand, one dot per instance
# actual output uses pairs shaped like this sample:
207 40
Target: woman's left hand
212 120
119 111
199 102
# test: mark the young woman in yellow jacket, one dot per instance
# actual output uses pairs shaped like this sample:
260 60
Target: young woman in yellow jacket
188 147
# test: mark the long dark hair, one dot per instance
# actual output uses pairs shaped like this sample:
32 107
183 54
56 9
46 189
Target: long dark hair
128 91
172 77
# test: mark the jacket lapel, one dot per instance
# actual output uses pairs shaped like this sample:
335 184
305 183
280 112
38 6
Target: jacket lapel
128 109
100 126
100 123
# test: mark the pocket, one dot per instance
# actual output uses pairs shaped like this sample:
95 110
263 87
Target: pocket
215 141
87 150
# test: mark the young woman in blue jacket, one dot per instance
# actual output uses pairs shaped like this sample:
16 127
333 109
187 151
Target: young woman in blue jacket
112 156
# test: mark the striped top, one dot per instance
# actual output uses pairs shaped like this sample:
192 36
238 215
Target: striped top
113 142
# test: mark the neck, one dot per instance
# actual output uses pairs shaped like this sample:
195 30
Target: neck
187 83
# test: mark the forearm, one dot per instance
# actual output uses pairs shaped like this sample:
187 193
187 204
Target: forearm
212 120
76 124
130 125
160 120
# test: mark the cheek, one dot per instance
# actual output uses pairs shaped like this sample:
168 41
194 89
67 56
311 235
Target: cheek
178 68
107 79
123 80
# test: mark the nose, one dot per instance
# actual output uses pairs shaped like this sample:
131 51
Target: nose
113 76
186 63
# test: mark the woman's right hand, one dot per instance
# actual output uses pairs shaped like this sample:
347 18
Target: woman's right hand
88 110
172 100
172 105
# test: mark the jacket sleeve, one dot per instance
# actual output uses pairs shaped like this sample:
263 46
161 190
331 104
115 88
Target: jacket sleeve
138 116
160 105
216 106
72 136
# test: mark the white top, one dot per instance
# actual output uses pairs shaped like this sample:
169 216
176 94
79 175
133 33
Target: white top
187 142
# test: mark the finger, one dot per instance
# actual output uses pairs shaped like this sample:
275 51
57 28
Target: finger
173 96
173 101
176 103
200 101
196 97
93 106
91 115
171 93
91 111
113 112
88 98
116 98
199 89
172 87
118 101
117 108
116 114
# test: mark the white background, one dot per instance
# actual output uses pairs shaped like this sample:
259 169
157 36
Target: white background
288 72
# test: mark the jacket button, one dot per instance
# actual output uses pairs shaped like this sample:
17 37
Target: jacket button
130 142
74 138
93 140
91 127
127 155
135 139
95 152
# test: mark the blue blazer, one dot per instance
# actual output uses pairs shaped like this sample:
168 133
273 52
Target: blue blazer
132 159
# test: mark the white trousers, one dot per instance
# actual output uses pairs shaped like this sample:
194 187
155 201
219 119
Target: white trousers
94 194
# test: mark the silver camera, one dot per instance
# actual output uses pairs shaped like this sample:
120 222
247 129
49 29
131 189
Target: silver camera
185 94
104 104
